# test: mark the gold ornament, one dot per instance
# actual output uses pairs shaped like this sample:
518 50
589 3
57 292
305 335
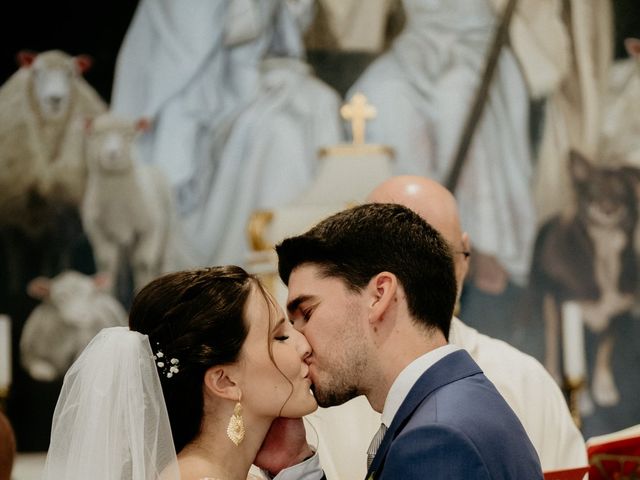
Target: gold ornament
235 429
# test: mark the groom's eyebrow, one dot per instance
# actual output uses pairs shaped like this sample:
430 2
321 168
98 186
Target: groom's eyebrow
293 305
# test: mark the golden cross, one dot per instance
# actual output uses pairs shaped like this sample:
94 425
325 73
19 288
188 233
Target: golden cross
358 111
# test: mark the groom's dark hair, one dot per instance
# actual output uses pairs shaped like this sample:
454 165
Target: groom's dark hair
356 244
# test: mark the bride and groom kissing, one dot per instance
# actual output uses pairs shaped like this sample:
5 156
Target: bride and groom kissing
212 377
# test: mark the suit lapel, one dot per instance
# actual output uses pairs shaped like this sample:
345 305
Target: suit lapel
453 367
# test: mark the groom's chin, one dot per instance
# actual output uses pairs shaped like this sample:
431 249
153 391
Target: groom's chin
322 399
328 399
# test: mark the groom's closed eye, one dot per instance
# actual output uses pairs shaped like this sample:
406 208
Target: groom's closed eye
299 310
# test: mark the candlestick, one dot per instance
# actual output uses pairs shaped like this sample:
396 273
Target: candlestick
574 390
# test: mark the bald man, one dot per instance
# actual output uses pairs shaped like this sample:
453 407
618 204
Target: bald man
344 433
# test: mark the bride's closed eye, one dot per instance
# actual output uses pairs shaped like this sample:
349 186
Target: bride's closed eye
280 332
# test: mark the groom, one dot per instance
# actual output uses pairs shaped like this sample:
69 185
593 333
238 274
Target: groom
373 290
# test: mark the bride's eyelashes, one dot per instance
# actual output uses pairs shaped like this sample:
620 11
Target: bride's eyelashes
280 334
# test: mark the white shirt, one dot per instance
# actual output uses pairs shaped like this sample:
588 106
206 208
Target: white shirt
407 379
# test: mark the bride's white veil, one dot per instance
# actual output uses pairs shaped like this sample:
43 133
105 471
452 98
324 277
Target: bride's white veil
111 422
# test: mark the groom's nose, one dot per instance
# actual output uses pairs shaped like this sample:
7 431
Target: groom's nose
302 345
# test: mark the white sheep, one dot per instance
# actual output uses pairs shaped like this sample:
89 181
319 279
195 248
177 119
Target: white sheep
42 111
74 308
127 211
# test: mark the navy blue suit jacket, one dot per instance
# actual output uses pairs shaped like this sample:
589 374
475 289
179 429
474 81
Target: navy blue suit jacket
454 424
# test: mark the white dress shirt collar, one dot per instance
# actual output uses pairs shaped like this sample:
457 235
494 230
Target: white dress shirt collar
407 379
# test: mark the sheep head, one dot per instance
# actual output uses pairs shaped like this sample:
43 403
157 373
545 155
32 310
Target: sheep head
111 141
51 85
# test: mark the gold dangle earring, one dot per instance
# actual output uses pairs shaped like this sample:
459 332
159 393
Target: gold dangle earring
235 429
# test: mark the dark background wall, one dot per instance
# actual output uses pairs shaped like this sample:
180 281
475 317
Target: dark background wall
627 23
74 26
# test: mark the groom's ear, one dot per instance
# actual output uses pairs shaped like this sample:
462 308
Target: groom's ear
219 381
382 290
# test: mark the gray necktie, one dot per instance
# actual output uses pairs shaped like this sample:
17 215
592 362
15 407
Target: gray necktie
375 444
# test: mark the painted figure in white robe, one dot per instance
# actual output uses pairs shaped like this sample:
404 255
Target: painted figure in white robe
539 40
423 88
621 127
233 129
574 109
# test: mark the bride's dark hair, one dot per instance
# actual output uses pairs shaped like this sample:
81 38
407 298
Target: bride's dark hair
197 317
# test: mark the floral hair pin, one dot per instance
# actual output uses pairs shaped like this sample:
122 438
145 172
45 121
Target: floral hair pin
168 368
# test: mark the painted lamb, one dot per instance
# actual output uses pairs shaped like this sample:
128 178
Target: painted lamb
127 210
74 308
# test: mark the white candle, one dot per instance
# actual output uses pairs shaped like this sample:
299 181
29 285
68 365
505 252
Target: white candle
5 353
573 350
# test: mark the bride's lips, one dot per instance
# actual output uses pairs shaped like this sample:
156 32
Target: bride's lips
309 377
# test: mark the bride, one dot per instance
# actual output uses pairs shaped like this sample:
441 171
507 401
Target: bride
189 391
